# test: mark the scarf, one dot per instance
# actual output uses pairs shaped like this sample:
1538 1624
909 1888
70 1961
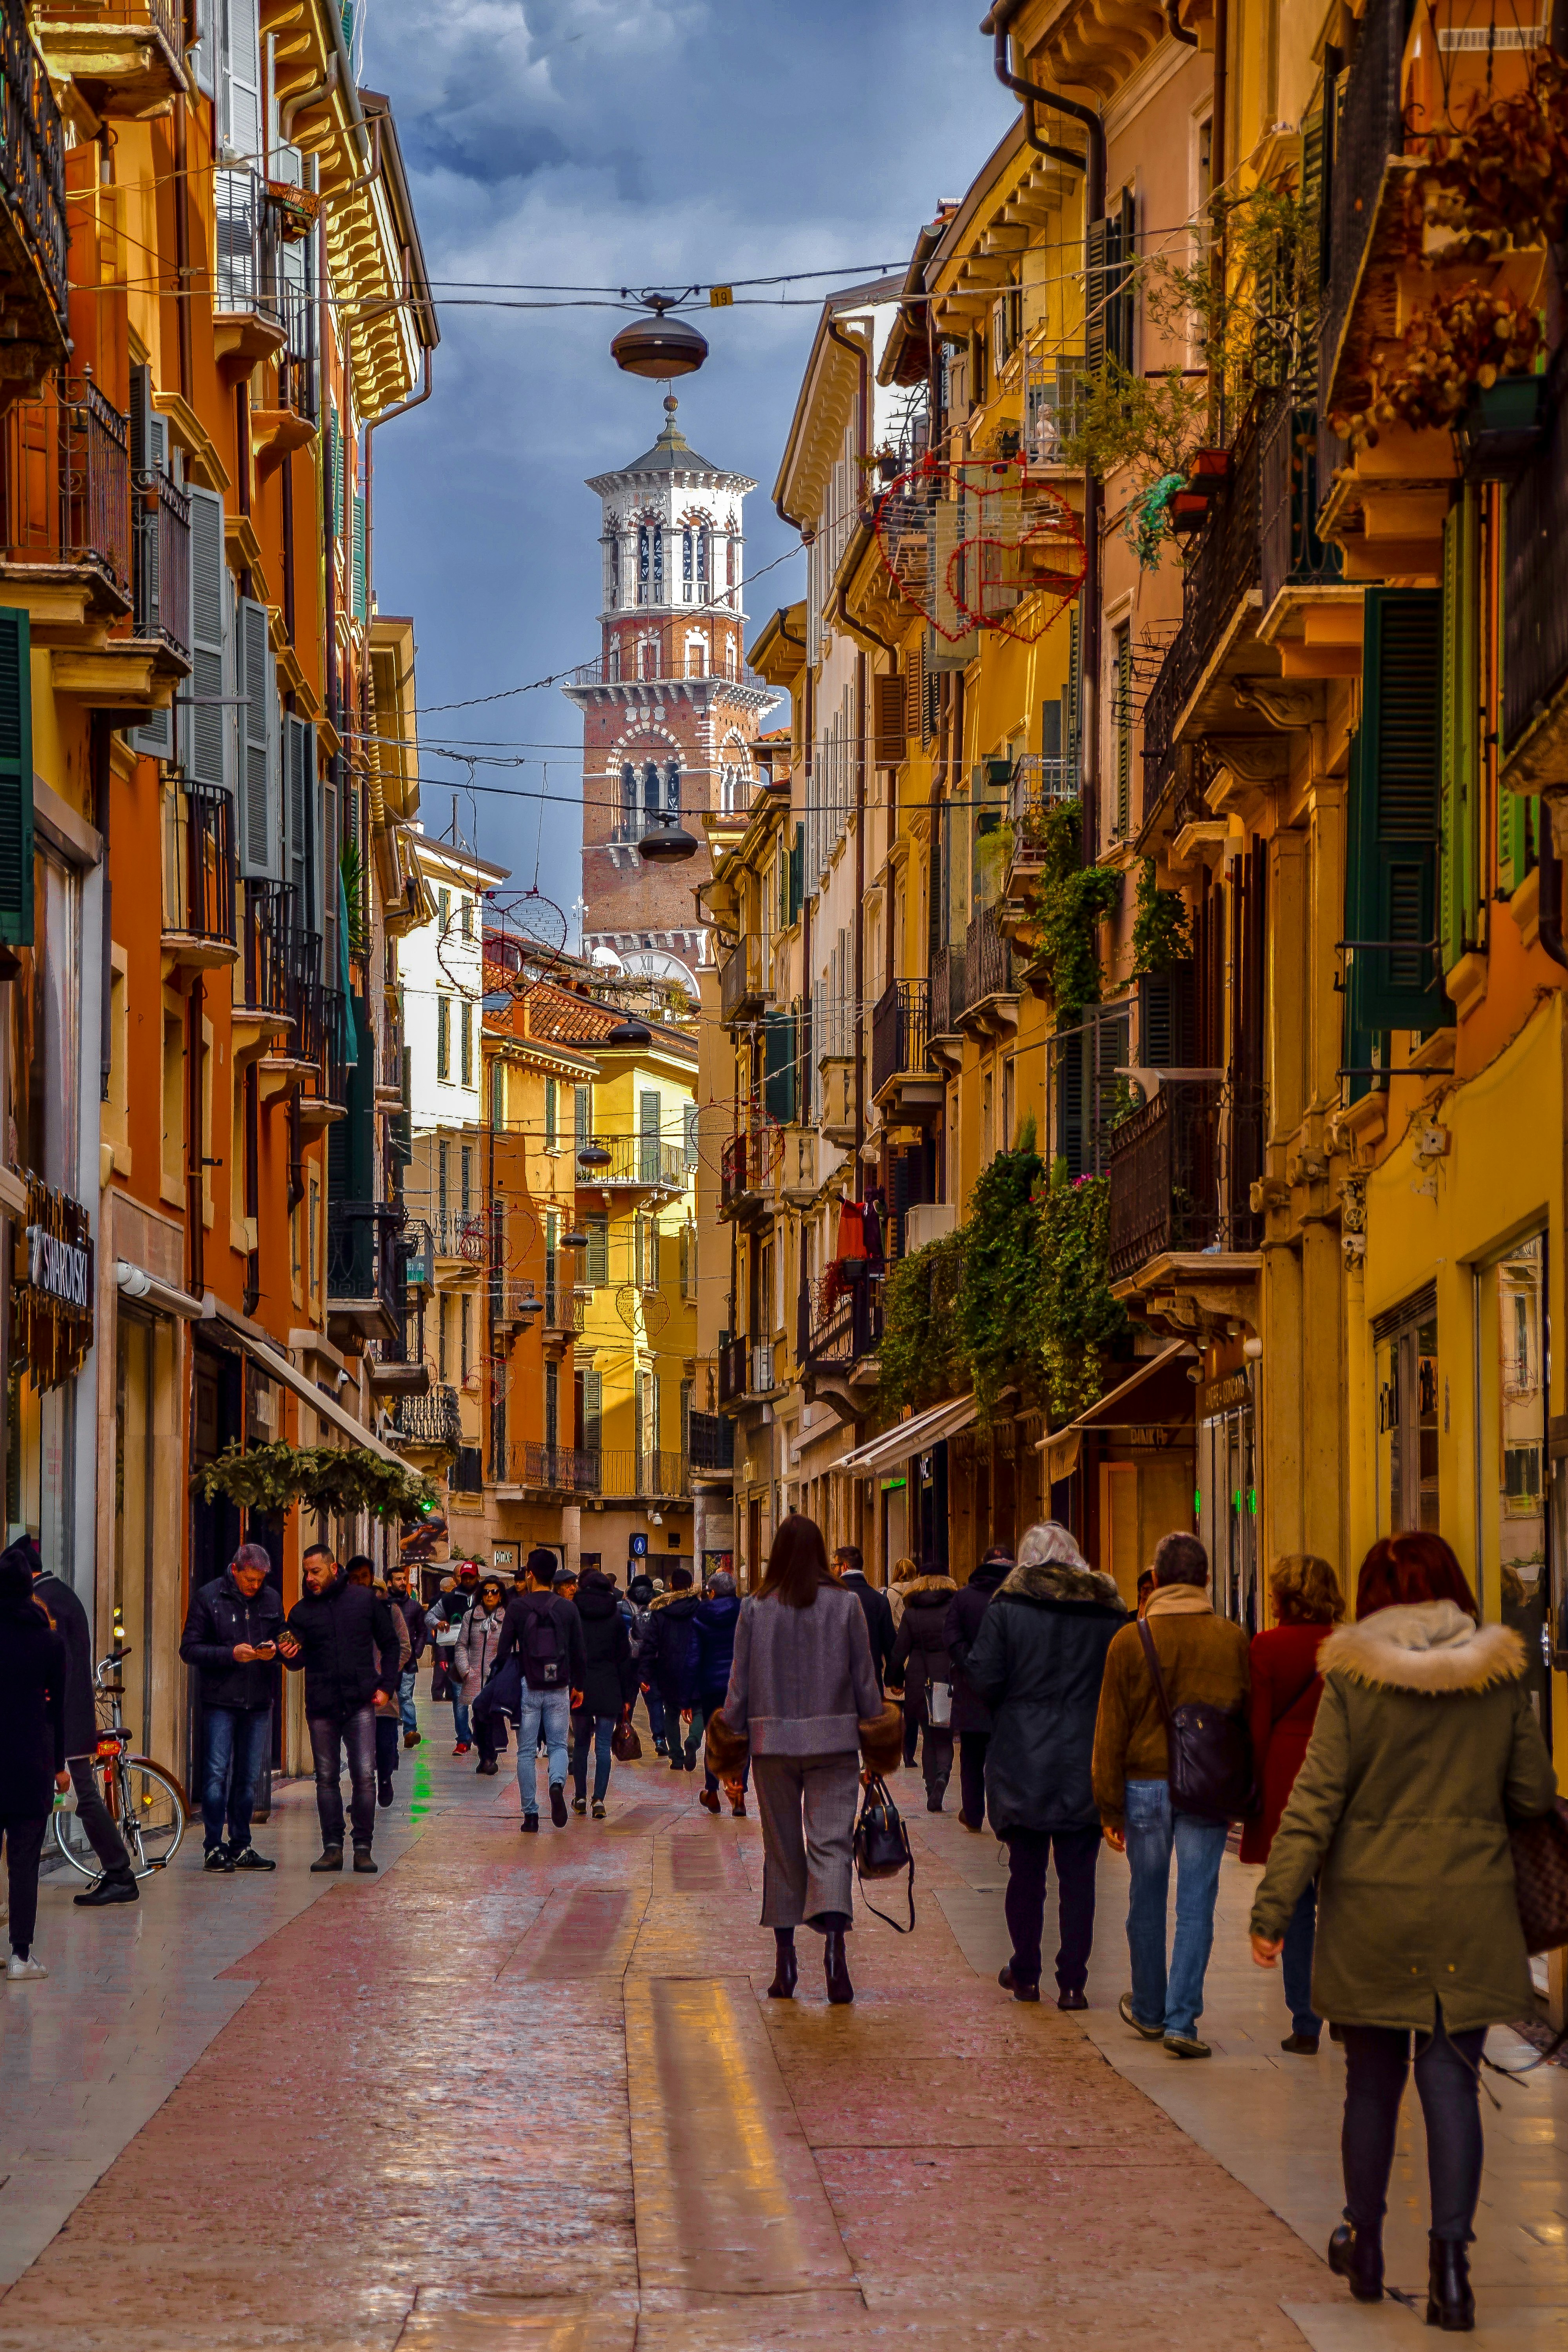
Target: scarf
1179 1601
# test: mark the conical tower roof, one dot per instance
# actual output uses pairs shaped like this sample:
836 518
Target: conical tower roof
672 453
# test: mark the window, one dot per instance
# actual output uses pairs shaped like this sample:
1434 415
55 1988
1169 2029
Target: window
444 909
444 1039
467 1029
551 1093
673 787
314 1235
552 1403
629 800
1009 1103
597 1253
466 1192
650 790
443 1180
442 1305
685 1420
658 563
583 1110
644 553
465 1335
497 1095
1122 718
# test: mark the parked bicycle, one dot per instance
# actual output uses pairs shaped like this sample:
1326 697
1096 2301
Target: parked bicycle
145 1801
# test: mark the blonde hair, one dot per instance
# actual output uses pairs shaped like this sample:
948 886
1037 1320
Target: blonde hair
904 1570
1306 1590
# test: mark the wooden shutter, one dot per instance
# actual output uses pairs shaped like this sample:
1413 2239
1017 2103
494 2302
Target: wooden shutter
891 702
260 843
1390 898
208 732
327 866
1121 309
779 1067
1068 1071
242 80
300 848
914 690
598 1250
1459 897
1166 1024
1123 717
1095 290
583 1114
149 465
1314 187
204 56
797 872
15 778
1072 701
361 586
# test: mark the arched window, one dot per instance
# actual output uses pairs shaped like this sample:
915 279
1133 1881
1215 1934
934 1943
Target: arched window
614 664
686 564
628 798
650 792
673 787
730 658
696 657
644 550
702 563
658 563
612 571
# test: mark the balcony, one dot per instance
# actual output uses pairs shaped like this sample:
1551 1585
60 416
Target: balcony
323 1031
1182 1226
261 1016
32 233
628 1473
553 1469
1039 785
198 932
1370 133
710 1442
835 1099
1535 612
903 1074
64 509
397 1365
420 1246
660 665
990 1005
364 1283
125 56
161 566
840 1331
747 1166
744 982
248 308
459 1236
637 1163
431 1423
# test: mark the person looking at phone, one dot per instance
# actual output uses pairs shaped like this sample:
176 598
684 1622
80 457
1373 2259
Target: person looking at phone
339 1632
231 1638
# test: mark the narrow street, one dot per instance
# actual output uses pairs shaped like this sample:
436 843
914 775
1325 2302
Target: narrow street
533 2092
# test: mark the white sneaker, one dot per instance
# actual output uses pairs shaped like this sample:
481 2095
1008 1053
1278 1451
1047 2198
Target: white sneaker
18 1970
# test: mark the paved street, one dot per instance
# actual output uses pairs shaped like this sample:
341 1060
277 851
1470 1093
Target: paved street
534 2094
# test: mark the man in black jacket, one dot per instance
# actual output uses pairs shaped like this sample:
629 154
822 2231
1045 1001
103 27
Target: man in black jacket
231 1637
401 1596
544 1629
670 1655
850 1571
338 1632
118 1881
971 1716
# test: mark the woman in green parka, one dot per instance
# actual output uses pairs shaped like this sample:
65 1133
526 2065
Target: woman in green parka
1425 1748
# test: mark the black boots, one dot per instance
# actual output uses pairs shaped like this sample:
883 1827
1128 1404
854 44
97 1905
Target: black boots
1450 2303
1357 2255
786 1971
839 1988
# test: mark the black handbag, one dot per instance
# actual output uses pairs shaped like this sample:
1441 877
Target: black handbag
882 1848
1209 1766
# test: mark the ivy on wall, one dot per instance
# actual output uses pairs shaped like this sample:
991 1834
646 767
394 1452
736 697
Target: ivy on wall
1071 901
998 1304
918 1357
1079 1317
1161 939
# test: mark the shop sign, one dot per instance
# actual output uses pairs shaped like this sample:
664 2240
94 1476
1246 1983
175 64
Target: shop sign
52 1295
1226 1395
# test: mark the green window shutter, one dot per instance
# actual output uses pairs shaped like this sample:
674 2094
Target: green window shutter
16 780
796 871
1459 897
1067 1074
779 1067
598 1250
1391 883
361 586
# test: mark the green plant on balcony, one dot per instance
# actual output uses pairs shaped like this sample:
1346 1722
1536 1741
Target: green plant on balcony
340 1479
918 1353
1077 1318
1464 340
1071 900
999 1303
1161 939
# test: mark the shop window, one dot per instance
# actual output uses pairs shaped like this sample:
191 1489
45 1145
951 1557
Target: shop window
1520 1441
1409 1416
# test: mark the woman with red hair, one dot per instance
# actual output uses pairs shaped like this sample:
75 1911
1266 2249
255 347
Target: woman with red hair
1425 1747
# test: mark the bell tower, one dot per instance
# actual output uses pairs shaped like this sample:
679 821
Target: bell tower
669 714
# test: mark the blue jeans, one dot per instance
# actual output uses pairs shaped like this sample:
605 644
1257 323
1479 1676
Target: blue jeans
1177 1997
655 1706
239 1740
405 1682
1295 1959
599 1730
551 1712
462 1735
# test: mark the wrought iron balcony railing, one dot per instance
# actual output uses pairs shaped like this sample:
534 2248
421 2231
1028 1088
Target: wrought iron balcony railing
556 1469
1038 786
65 483
636 1163
988 961
434 1419
1292 555
161 551
247 272
1369 131
199 870
1223 570
710 1441
265 962
1535 577
1181 1172
363 1259
33 178
627 1470
844 1329
743 977
900 1032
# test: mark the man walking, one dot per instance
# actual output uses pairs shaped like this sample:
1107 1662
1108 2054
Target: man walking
1202 1661
850 1570
231 1638
544 1627
971 1716
669 1654
401 1594
443 1623
117 1883
339 1632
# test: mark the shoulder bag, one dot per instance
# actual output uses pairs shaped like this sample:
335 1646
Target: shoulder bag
882 1848
624 1745
1208 1752
1540 1850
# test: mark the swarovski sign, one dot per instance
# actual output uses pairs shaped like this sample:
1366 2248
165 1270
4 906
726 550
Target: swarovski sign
60 1269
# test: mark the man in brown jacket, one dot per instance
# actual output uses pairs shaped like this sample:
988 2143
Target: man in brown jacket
1201 1659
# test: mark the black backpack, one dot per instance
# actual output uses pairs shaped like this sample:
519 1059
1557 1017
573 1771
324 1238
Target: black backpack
543 1665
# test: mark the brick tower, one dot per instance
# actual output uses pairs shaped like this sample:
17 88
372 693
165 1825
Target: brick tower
669 714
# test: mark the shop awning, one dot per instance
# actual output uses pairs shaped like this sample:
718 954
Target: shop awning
909 1438
238 1332
150 1290
1061 1447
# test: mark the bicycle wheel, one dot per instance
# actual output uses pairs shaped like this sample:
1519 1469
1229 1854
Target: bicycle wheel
147 1808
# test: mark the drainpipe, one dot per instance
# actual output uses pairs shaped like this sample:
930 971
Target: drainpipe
1175 27
294 106
996 24
1550 902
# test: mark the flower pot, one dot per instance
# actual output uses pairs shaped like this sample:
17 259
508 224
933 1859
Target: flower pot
1501 429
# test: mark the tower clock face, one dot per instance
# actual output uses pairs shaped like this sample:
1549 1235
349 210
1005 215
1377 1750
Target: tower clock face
655 963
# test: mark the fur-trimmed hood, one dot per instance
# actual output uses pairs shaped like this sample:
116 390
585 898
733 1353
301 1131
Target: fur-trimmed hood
1431 1647
928 1585
1054 1579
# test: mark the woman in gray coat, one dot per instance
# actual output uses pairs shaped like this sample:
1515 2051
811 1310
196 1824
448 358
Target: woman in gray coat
801 1685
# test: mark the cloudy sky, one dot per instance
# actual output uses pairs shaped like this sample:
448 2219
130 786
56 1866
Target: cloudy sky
643 142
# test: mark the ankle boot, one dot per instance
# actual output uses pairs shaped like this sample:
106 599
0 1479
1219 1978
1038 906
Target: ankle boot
1357 2255
839 1988
787 1968
1450 2303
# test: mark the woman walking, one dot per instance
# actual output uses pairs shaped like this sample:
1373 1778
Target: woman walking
1425 1749
478 1639
32 1751
609 1686
1286 1689
1037 1661
801 1685
922 1669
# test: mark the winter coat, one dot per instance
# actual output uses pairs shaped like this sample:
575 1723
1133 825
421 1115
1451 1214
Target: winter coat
347 1636
1037 1661
715 1621
1286 1688
218 1619
413 1610
669 1648
1425 1749
34 1669
635 1617
964 1612
879 1624
81 1696
474 1659
563 1615
610 1677
1202 1658
802 1681
919 1652
392 1662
